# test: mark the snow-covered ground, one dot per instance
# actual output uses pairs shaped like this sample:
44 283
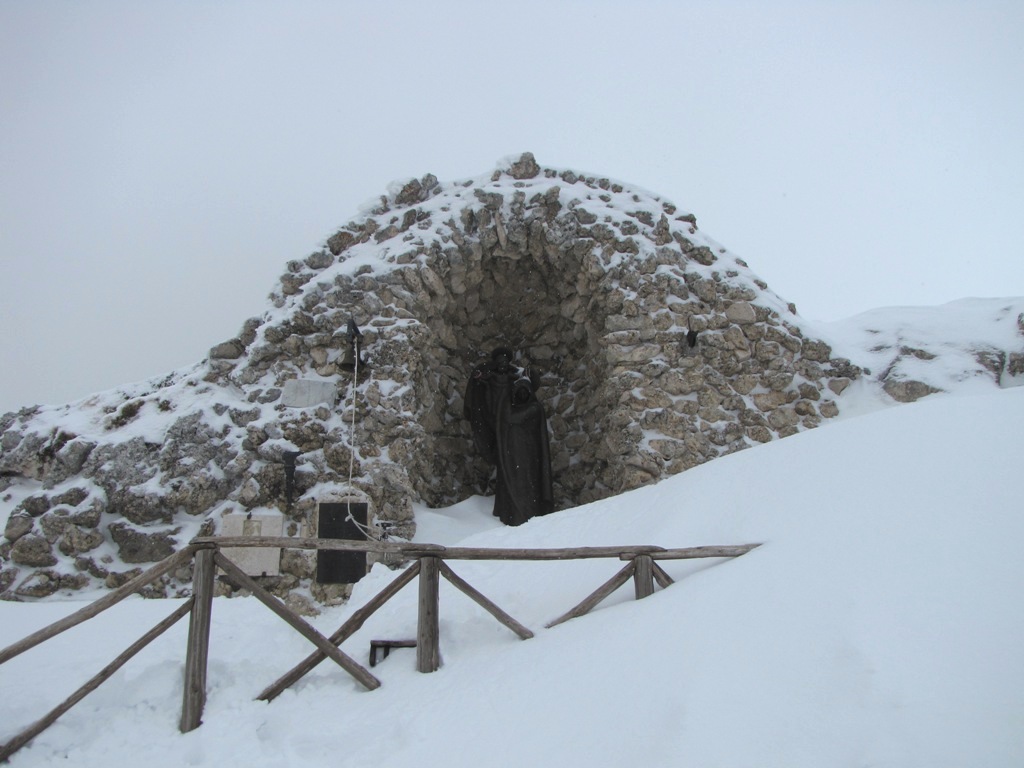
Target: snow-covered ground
880 624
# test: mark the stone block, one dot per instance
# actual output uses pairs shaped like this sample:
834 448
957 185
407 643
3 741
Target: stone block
33 550
307 393
741 313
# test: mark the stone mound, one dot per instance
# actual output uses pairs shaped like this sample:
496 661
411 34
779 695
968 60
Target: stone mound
658 350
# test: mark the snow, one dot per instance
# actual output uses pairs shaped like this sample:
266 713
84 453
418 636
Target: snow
879 624
955 332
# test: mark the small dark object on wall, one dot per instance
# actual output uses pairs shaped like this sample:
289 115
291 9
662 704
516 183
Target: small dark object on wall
341 520
289 475
353 355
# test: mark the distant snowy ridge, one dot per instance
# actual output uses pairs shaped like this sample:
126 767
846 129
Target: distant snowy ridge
956 347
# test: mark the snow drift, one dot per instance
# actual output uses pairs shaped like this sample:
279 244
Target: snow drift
879 624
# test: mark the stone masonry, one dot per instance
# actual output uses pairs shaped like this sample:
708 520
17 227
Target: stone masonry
658 349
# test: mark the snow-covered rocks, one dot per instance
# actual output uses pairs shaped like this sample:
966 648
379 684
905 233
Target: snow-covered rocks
658 350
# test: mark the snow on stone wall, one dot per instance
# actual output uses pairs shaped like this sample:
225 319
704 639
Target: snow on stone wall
658 350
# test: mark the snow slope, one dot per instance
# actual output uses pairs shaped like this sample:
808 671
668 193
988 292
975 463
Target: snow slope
880 624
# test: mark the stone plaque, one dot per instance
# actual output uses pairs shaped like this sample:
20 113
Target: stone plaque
254 561
305 393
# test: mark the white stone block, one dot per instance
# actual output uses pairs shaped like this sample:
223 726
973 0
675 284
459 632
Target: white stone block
305 393
254 561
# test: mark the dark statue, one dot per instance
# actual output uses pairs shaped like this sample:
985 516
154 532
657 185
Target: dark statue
510 430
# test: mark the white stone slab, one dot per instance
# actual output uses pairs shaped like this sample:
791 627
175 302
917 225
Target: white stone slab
305 393
254 561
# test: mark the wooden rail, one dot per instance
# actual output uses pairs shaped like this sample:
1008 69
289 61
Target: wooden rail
473 553
427 563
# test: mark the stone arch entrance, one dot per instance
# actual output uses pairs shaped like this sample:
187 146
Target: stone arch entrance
544 309
598 286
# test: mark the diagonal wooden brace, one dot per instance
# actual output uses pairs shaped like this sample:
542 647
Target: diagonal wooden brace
23 738
347 663
484 602
346 630
597 595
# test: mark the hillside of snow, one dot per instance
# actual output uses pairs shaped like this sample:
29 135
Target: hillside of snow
879 624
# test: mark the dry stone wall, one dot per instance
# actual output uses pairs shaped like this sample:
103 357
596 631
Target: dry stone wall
658 350
596 286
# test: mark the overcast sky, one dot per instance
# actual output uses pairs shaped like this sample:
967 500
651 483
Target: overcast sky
161 162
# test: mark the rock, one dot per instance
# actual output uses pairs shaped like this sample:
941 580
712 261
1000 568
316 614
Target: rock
319 260
35 506
135 546
340 241
330 594
72 497
908 391
119 579
227 350
88 516
301 604
299 563
18 524
525 167
838 385
7 578
410 194
33 550
769 401
54 522
741 312
39 584
817 351
77 541
1015 364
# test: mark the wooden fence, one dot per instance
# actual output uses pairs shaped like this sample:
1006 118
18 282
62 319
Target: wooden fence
428 563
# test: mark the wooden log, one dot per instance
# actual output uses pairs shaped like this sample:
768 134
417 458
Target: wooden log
643 576
98 606
416 550
690 553
484 602
562 553
289 542
346 630
597 595
663 579
428 641
198 649
104 674
298 624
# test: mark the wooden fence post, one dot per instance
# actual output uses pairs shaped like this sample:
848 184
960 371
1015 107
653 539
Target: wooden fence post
428 654
198 641
643 576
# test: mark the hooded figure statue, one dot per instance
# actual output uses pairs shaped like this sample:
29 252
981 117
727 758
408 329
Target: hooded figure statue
510 430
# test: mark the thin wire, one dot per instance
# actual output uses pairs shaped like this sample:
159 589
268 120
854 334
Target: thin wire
352 449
